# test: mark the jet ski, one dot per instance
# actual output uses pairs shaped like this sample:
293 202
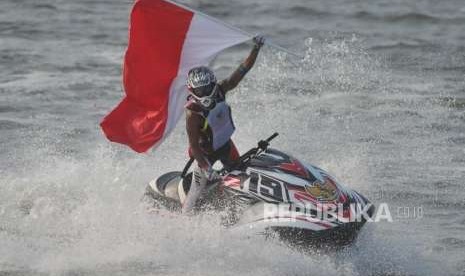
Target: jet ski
275 194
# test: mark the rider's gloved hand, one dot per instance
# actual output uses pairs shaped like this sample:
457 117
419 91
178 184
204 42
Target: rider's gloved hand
211 174
259 40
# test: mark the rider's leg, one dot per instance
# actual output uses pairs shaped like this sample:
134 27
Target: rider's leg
198 183
227 154
230 156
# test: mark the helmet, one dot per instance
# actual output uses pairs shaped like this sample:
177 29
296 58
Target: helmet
201 82
199 79
200 76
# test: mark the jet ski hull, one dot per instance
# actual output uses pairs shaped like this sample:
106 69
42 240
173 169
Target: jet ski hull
277 195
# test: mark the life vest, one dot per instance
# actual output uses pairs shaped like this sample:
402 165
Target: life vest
217 125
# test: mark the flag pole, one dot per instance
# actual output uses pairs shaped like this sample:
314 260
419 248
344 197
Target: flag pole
232 27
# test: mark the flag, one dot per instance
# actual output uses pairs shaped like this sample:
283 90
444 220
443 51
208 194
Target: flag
166 40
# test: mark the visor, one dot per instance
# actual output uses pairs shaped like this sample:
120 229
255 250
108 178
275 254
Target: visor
209 91
203 91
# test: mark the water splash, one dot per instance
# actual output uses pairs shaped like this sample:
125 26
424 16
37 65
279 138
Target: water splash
71 213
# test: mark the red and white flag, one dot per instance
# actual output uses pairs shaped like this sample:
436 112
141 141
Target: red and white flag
165 42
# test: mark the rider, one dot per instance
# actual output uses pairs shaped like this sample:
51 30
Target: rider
209 124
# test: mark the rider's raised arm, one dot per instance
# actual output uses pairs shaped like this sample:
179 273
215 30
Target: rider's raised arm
236 77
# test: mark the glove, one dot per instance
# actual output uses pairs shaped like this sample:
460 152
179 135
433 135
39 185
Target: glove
211 174
259 40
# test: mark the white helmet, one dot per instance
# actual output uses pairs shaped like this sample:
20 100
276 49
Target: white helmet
200 76
201 82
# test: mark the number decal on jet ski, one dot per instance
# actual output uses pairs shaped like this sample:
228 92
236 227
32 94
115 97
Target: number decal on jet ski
266 187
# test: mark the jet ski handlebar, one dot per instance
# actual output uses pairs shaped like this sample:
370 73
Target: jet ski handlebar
263 144
261 147
243 159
